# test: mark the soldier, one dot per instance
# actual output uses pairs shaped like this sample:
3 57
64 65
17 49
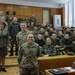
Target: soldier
27 57
4 20
14 28
46 35
73 36
22 35
55 41
68 31
67 43
31 27
48 49
33 18
40 40
20 19
3 45
60 35
26 19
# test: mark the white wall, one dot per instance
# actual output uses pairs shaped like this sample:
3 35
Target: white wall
45 16
28 3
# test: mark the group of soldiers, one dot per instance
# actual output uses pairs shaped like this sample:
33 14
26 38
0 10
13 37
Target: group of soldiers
60 39
34 39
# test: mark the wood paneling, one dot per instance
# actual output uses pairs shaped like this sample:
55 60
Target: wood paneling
56 11
28 11
23 11
62 12
55 62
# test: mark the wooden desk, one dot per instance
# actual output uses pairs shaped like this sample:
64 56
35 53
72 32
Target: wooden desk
69 73
55 62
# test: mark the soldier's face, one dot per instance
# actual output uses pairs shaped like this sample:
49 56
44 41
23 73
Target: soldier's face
66 36
30 38
23 25
48 41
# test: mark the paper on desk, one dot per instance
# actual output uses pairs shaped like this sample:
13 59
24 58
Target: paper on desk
70 69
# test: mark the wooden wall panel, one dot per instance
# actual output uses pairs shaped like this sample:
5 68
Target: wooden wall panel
62 12
56 11
23 11
28 11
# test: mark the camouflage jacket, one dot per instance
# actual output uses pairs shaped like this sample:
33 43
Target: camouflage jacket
27 55
3 38
49 50
21 37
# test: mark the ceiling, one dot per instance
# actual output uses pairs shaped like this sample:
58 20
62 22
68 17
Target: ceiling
37 3
49 1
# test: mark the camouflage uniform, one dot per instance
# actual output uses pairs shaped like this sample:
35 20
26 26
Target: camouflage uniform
3 42
67 44
48 50
72 37
21 37
56 42
27 59
33 19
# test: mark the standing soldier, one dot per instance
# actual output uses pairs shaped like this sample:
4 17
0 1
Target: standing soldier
33 19
3 45
22 35
14 28
27 57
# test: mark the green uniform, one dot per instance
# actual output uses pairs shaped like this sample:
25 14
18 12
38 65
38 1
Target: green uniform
72 37
21 37
27 59
48 50
26 20
33 19
56 42
3 38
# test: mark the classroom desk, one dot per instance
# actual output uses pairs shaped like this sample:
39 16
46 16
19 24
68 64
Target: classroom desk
55 62
69 73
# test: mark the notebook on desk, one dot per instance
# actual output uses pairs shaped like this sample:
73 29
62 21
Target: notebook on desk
58 71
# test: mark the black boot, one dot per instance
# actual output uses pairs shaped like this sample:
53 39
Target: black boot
4 70
0 69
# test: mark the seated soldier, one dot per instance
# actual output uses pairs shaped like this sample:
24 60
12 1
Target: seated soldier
40 40
55 41
67 43
46 35
73 36
60 35
48 49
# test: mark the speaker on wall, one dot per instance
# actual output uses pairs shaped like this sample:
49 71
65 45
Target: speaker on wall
14 12
7 12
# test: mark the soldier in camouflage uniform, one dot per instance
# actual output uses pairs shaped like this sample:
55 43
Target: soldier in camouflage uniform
22 35
73 36
27 57
33 18
67 43
3 45
48 49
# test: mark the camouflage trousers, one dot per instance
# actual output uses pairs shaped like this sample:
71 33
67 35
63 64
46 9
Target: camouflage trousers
26 71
